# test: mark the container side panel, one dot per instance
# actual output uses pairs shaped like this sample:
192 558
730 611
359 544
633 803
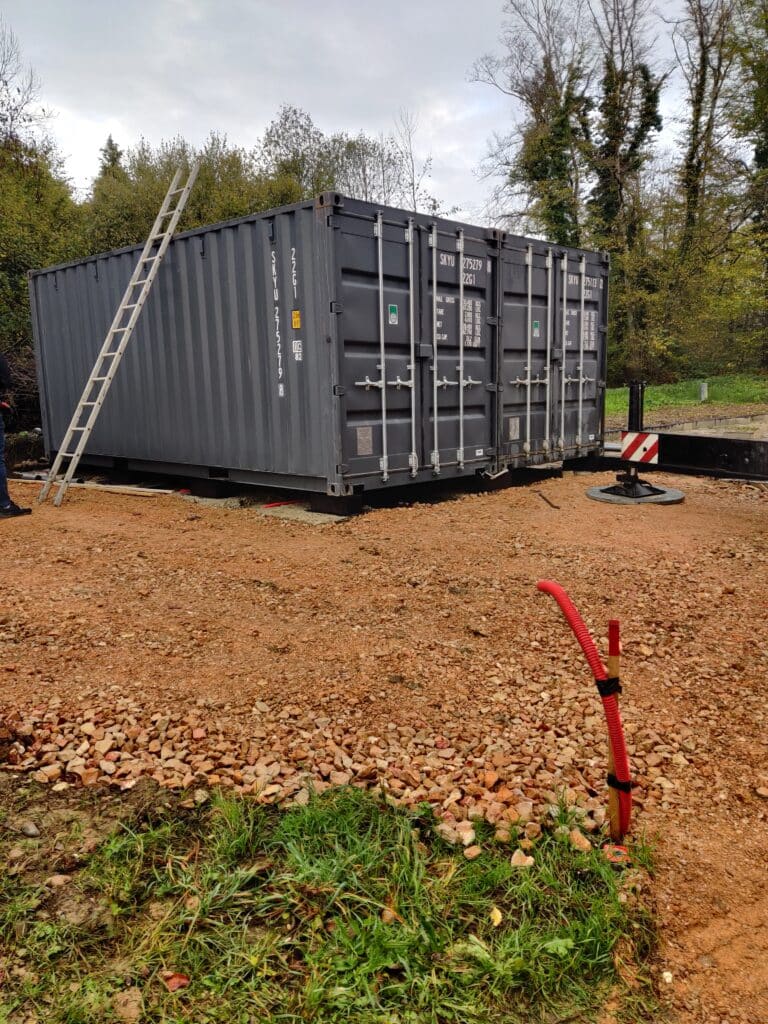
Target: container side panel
224 369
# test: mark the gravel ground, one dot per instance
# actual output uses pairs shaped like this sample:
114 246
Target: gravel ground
408 648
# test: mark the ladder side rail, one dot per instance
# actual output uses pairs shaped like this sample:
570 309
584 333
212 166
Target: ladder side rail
103 372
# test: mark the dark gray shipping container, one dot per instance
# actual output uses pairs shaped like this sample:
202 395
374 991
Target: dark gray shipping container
334 346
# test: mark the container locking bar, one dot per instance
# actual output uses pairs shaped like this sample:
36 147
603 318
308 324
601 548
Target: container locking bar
582 378
413 458
548 358
435 456
564 340
378 230
460 367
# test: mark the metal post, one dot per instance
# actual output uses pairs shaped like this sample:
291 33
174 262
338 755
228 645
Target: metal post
636 403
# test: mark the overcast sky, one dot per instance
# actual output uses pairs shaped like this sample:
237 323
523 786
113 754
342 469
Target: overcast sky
191 66
158 68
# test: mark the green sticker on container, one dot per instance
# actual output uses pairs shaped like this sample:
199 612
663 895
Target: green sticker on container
392 313
536 328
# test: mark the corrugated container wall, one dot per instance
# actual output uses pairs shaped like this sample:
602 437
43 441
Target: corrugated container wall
335 346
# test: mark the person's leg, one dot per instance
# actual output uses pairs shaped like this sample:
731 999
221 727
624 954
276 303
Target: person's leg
8 508
5 499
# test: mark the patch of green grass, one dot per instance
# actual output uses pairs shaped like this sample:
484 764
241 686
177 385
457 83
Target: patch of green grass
346 910
737 389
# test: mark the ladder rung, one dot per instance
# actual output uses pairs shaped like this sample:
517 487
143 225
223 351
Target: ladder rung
77 428
105 354
94 379
142 280
130 305
149 259
87 403
176 191
116 329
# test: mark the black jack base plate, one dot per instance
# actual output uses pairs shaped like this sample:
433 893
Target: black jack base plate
629 489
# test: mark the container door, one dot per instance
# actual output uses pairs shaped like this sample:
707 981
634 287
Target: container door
458 373
529 362
581 292
379 363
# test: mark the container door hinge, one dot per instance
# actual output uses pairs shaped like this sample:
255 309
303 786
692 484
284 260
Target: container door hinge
494 387
339 390
493 321
337 307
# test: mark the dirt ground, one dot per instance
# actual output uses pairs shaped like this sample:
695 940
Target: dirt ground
408 647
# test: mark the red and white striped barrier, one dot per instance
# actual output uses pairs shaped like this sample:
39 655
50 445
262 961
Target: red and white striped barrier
637 446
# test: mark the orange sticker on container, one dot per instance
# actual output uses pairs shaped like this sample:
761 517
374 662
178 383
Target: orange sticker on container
296 319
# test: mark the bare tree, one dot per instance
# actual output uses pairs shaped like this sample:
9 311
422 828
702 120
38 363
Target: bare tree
705 48
19 90
368 168
415 170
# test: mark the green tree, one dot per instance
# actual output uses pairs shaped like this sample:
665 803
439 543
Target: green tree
749 105
111 158
127 195
40 223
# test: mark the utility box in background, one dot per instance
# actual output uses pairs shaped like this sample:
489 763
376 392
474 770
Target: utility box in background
334 346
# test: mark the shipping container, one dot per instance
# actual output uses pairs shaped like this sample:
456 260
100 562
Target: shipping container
334 346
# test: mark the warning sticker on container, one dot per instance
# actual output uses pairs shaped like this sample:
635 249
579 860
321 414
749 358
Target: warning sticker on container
393 314
296 319
298 350
365 440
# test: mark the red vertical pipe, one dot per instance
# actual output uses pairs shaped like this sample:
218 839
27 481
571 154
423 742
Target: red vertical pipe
614 638
610 704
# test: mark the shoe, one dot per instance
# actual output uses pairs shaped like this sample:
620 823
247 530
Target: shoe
13 510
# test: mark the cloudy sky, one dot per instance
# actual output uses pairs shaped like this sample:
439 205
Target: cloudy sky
161 67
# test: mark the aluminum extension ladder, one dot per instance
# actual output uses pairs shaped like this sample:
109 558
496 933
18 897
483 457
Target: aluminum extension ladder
119 334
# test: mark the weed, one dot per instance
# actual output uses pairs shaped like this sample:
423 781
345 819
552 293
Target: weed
347 909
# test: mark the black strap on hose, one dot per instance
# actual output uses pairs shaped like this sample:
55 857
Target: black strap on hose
614 783
607 687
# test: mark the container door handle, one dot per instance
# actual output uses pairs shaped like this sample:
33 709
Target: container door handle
368 383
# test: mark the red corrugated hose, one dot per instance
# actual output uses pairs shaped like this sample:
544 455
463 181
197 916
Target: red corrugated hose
610 703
